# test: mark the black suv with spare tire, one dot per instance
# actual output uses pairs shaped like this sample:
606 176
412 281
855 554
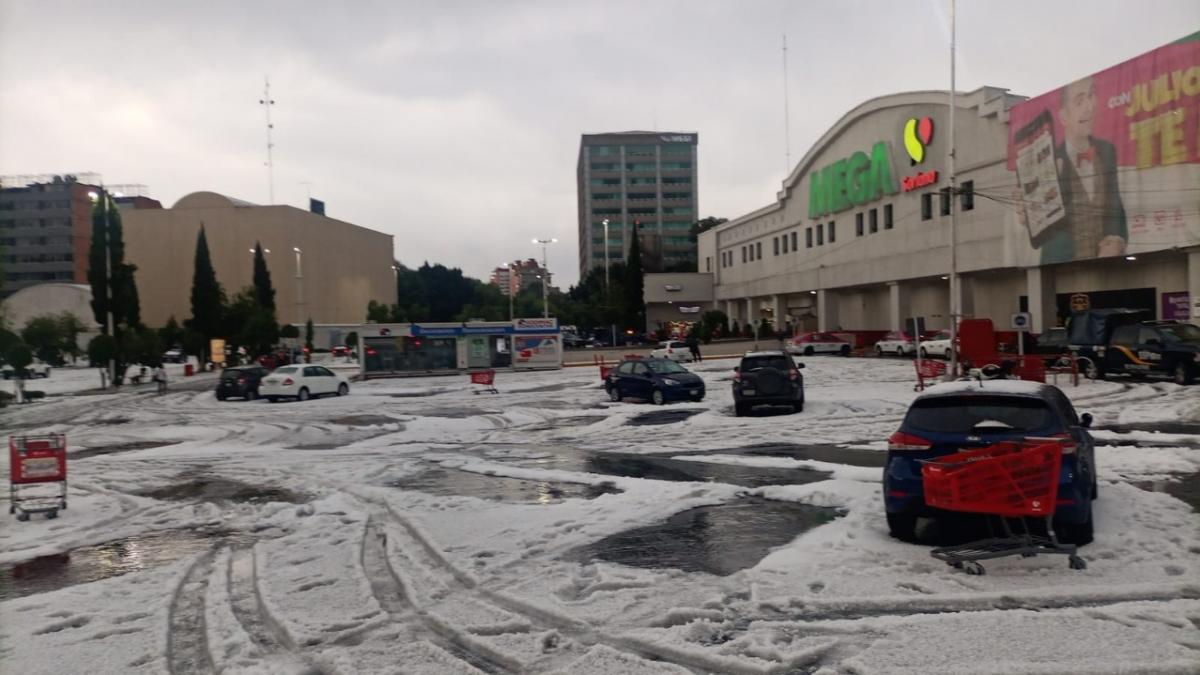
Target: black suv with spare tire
767 378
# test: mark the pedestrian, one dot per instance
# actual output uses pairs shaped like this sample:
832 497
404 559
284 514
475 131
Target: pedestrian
693 344
160 378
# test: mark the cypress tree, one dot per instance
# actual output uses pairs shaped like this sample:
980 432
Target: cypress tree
263 290
98 265
635 303
206 292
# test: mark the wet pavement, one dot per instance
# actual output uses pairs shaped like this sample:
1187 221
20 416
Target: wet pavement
452 482
1184 487
818 452
663 417
216 489
110 559
116 448
364 420
719 539
1160 427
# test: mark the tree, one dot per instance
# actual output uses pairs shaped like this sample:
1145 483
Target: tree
377 312
171 334
264 292
716 322
352 339
635 302
98 263
19 356
69 328
308 340
704 225
289 331
207 296
735 330
102 349
7 340
43 334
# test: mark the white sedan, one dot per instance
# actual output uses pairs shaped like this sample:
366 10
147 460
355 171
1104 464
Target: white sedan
936 344
674 350
896 342
302 382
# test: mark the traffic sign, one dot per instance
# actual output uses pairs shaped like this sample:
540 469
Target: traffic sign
1021 321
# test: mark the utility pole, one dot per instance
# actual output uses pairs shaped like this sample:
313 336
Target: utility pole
545 276
955 309
266 101
787 121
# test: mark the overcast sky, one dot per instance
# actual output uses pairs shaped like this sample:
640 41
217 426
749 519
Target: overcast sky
455 126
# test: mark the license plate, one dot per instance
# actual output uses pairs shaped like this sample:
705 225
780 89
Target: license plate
748 392
695 391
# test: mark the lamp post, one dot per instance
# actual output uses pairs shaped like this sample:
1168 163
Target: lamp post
607 296
299 287
509 265
112 364
546 276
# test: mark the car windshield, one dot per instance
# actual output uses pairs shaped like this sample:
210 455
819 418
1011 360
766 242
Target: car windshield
940 335
286 370
665 367
981 415
232 374
753 363
1183 332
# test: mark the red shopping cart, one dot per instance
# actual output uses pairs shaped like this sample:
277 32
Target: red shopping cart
32 460
927 370
1008 480
487 378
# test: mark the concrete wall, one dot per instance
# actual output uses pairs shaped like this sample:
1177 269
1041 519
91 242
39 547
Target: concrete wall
343 266
34 301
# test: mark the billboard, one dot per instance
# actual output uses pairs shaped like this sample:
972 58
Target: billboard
1108 165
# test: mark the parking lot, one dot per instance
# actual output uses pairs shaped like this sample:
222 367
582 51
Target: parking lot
547 529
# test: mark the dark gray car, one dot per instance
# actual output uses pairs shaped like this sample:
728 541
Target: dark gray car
770 378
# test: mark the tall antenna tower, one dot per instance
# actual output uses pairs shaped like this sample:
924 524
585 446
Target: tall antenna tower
266 102
787 118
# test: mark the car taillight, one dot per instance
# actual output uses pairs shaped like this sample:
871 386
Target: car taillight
794 374
241 380
288 381
1063 439
907 442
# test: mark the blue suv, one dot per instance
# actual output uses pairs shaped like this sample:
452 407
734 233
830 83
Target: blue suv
964 415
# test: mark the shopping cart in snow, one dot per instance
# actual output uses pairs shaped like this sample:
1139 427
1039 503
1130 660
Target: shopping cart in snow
928 370
34 460
1007 481
487 378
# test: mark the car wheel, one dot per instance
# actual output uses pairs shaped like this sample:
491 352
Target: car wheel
845 350
808 351
251 394
657 397
924 353
614 394
273 399
343 389
697 399
1076 533
302 395
1182 374
220 397
740 410
902 526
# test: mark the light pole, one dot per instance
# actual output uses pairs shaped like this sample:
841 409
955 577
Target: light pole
607 296
299 288
510 291
545 275
112 364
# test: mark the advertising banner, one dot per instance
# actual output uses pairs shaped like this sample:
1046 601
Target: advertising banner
1175 306
1108 165
537 351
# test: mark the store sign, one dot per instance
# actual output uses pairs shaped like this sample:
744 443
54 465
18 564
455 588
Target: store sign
910 183
1175 306
918 134
536 324
676 139
850 182
1080 302
672 287
689 310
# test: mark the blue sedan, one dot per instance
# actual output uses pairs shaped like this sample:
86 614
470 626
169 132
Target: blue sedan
655 380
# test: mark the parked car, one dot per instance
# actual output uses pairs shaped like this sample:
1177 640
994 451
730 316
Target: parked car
818 343
674 350
34 369
896 342
956 416
767 378
340 350
241 382
1116 342
174 355
656 380
302 382
1052 345
936 344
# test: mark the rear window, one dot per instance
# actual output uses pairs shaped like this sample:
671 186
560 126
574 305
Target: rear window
753 363
231 374
982 415
666 367
286 370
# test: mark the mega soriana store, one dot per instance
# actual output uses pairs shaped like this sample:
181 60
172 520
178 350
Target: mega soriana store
1085 197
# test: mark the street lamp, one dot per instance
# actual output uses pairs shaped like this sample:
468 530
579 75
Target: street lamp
112 364
509 281
299 287
607 298
546 272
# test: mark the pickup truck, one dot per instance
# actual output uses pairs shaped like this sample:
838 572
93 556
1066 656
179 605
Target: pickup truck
1116 342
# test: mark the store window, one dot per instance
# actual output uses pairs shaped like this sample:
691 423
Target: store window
832 231
887 216
808 237
784 238
858 224
775 242
820 234
794 247
744 259
758 251
944 200
873 220
927 206
968 195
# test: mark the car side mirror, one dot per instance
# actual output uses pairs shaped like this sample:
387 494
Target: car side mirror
1085 420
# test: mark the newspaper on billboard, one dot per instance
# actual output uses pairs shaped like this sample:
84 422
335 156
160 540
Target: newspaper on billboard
1107 165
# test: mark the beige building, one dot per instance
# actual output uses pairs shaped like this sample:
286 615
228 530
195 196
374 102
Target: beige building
674 298
322 268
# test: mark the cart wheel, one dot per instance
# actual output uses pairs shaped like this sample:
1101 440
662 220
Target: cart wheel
50 515
1077 563
22 516
974 568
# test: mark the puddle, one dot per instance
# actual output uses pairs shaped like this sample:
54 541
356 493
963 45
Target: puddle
110 559
663 417
459 413
1161 427
816 452
113 421
567 422
452 482
363 420
1185 488
212 489
119 447
664 468
718 539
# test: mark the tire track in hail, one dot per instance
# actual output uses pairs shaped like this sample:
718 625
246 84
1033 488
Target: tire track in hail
187 641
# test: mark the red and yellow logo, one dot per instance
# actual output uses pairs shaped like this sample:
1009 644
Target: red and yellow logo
918 134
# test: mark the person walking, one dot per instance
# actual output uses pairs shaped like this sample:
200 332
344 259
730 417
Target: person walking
693 344
160 378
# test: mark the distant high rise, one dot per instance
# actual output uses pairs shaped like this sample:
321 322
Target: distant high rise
633 178
518 275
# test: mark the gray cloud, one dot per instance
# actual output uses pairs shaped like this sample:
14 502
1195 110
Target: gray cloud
455 126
